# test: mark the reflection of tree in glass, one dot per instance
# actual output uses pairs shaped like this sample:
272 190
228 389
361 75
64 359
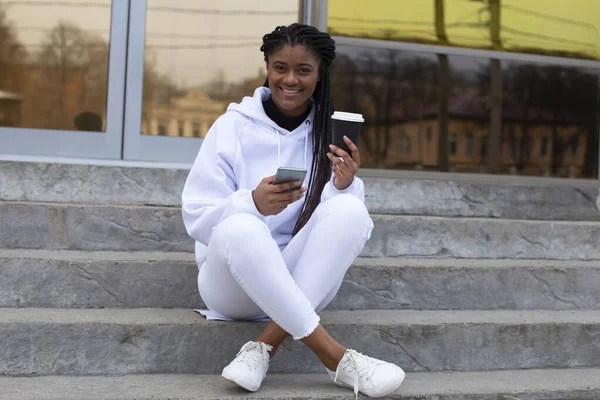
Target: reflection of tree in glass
220 89
557 97
385 85
73 76
158 88
11 48
12 53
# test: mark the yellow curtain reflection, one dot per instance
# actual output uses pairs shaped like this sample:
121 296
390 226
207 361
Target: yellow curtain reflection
550 27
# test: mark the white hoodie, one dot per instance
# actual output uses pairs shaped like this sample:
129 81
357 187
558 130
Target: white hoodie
242 148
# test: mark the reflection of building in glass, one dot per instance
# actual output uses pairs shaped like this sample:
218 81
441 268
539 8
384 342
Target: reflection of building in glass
189 115
548 116
538 144
453 107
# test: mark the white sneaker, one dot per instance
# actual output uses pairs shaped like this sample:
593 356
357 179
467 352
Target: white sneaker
250 366
370 376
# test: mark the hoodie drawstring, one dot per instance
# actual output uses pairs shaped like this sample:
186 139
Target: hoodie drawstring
305 145
278 148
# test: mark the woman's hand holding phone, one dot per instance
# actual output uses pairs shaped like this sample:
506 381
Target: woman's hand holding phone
272 199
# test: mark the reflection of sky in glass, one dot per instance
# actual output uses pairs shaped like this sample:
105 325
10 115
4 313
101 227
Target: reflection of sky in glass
211 36
463 63
33 19
190 40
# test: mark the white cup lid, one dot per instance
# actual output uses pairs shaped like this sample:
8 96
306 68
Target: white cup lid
346 116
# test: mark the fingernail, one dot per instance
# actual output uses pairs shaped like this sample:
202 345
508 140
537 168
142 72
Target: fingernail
345 137
331 146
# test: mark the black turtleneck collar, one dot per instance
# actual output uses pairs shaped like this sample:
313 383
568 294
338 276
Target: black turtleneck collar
275 114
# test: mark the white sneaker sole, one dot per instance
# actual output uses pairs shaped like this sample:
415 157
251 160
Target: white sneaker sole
392 387
386 390
240 382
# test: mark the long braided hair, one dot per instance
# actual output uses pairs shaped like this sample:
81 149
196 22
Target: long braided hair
323 46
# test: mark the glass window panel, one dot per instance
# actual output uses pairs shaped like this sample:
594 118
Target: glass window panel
397 94
468 113
551 27
549 114
556 109
54 64
202 55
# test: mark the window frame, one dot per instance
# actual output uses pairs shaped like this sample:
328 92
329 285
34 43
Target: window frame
83 144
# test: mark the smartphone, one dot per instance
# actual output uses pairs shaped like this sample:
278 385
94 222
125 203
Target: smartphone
288 174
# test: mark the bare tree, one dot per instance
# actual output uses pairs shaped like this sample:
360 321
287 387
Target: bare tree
158 88
421 74
444 88
569 94
523 83
61 57
378 76
94 66
12 53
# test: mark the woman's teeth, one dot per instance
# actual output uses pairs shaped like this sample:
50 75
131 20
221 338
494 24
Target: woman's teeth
290 91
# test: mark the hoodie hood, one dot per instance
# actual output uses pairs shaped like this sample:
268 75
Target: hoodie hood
252 108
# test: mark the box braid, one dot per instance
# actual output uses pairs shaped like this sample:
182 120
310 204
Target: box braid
323 46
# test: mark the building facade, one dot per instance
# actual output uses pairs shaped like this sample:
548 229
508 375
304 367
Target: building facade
484 86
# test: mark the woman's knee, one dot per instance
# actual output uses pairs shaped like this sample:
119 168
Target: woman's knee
238 229
347 209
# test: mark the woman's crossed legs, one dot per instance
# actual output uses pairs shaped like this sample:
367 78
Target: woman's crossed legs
246 276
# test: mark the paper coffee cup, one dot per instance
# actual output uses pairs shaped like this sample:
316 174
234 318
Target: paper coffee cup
345 124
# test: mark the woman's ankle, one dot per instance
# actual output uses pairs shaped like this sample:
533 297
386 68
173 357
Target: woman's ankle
332 360
273 351
274 347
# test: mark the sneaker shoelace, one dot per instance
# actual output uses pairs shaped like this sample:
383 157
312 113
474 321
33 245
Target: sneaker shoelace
252 353
360 364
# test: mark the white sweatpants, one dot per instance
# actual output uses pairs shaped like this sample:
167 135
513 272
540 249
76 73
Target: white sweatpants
246 276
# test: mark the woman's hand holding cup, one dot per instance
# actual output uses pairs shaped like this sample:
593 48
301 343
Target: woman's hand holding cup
345 131
345 166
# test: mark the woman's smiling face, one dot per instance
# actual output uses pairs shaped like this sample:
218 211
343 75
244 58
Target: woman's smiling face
293 73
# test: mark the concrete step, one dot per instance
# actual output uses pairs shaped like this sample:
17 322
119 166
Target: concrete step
54 226
120 341
387 192
564 384
65 279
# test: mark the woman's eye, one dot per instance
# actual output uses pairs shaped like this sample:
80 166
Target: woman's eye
279 68
305 71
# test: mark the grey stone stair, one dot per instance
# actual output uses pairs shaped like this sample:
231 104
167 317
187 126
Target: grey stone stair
54 226
398 192
481 288
75 279
136 341
570 384
65 279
